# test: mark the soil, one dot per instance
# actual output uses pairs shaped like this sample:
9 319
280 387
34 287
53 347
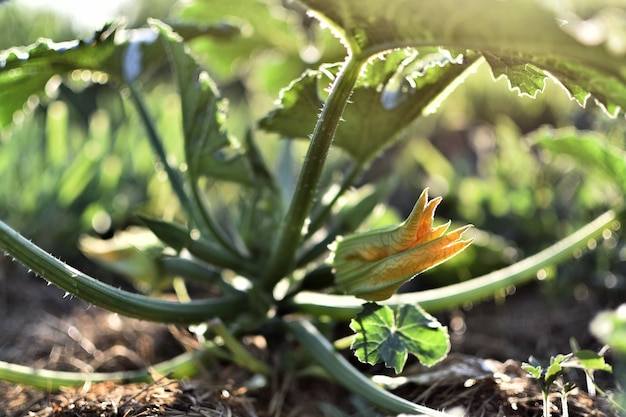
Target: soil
481 377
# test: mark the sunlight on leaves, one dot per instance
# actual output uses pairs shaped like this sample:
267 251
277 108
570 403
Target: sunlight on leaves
524 77
209 149
383 335
500 31
132 253
123 55
374 264
393 91
591 361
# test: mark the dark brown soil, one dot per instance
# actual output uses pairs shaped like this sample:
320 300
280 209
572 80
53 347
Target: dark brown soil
482 377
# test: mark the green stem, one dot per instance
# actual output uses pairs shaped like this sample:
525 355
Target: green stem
546 404
182 366
240 355
106 296
290 234
455 295
348 376
207 250
320 248
191 269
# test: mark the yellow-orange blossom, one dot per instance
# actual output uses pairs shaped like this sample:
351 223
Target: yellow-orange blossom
374 264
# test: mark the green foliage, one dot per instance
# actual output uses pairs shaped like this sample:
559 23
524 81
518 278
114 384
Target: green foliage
553 376
236 214
502 34
392 91
384 335
209 151
265 26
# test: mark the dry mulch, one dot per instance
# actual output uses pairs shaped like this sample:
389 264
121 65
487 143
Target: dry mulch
163 397
42 329
507 393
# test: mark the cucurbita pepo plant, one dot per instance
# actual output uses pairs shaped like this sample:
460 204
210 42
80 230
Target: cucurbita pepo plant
401 58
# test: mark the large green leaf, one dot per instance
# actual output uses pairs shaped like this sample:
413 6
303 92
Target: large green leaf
209 149
388 96
523 39
25 71
122 54
383 335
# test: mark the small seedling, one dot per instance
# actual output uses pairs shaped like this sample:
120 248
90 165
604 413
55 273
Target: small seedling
552 378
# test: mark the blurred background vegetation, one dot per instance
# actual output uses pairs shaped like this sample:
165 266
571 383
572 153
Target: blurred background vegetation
78 162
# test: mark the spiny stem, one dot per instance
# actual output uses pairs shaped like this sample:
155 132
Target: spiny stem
111 298
290 234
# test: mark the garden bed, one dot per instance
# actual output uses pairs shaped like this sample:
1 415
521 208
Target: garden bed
482 376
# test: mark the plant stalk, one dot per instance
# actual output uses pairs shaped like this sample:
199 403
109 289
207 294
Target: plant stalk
240 355
208 223
546 404
197 213
111 298
290 234
191 269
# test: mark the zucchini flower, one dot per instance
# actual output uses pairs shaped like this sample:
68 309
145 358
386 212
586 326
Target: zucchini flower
374 264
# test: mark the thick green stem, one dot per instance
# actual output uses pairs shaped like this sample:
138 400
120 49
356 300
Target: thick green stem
348 376
106 296
290 234
346 307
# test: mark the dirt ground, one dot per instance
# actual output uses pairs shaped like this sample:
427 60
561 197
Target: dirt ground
482 376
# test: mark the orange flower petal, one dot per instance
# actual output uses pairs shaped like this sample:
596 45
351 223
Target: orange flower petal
374 264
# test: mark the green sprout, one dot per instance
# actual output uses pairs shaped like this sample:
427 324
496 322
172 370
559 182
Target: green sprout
551 378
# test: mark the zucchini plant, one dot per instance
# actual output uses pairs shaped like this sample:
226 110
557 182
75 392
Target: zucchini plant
305 252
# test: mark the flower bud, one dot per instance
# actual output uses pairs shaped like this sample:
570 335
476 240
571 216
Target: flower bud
374 264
